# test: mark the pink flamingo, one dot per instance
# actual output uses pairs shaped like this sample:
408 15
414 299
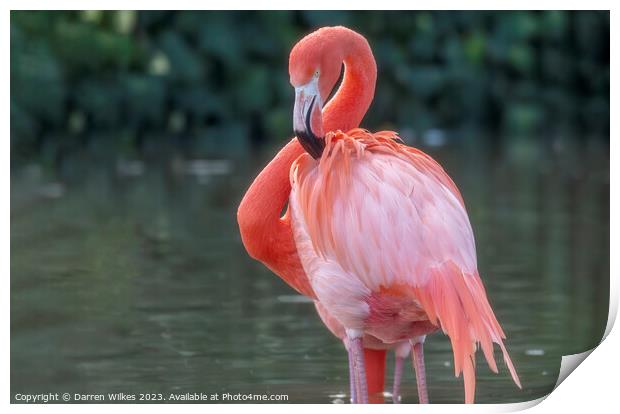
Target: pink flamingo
375 231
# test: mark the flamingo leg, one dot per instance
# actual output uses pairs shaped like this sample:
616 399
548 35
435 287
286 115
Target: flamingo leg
401 353
359 368
420 370
353 385
398 373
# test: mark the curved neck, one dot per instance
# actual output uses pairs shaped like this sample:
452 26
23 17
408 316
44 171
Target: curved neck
347 108
266 236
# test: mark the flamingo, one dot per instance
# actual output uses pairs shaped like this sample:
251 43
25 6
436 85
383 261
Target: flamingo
375 232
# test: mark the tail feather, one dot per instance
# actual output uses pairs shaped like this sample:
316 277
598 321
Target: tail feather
457 302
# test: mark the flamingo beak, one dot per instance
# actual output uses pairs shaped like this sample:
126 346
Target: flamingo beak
307 118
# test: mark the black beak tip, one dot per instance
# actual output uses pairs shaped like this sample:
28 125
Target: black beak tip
311 143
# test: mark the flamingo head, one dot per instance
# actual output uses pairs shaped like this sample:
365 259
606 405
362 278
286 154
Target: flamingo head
314 67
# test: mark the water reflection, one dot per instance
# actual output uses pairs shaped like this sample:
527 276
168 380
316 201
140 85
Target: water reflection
135 280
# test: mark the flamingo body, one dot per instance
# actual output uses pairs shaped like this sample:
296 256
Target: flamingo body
383 235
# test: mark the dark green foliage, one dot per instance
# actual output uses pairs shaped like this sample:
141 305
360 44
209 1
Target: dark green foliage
218 80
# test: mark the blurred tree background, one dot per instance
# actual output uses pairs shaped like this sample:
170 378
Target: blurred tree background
215 84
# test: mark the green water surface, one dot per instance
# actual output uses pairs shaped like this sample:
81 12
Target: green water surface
130 276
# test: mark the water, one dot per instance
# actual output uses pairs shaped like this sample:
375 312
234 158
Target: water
131 277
